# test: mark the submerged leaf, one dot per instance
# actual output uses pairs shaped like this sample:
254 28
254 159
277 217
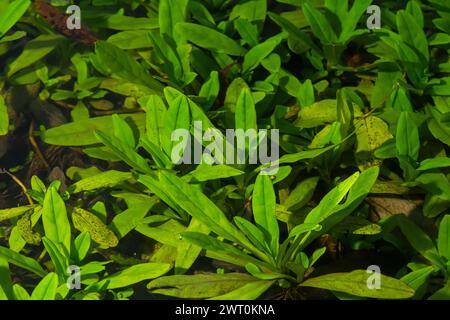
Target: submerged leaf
357 283
84 221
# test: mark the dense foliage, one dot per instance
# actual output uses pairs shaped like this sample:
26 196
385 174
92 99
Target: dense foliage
89 187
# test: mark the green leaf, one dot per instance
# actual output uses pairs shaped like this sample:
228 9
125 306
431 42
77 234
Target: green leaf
6 214
132 39
435 183
320 113
443 241
209 39
11 14
357 225
417 278
201 13
124 152
355 283
304 228
6 289
166 231
438 128
25 227
263 205
357 193
187 252
84 221
339 8
177 117
159 157
199 206
81 133
131 275
170 13
46 288
250 291
435 205
434 163
22 261
205 172
252 232
258 53
55 221
248 31
350 20
119 21
155 186
419 240
442 294
245 118
120 64
155 110
407 137
58 257
34 51
20 293
13 37
200 286
410 59
303 155
16 241
329 203
295 32
414 9
253 10
301 194
4 118
123 131
210 89
81 246
257 273
306 94
316 256
107 179
169 55
371 133
127 220
438 39
412 33
212 244
319 24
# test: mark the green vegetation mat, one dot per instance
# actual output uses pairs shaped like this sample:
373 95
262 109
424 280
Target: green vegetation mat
219 149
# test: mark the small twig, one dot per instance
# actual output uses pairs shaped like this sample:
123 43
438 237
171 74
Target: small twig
35 145
21 185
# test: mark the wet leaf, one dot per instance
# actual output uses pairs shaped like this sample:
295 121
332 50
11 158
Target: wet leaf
81 133
54 218
371 133
131 275
6 214
208 38
355 283
4 118
200 285
84 221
